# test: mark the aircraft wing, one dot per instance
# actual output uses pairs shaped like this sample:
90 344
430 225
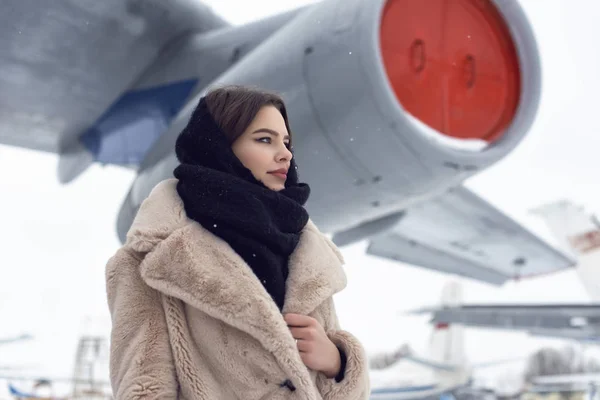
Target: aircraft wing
579 322
78 85
460 233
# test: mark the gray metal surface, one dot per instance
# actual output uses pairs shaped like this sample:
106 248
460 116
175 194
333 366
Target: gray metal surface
570 321
62 63
364 157
198 58
461 233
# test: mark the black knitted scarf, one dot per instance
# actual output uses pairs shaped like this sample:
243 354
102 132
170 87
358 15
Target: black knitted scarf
262 225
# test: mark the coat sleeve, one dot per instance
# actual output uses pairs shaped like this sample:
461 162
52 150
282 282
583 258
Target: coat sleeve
355 384
141 361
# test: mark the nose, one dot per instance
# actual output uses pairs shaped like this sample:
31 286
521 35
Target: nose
284 154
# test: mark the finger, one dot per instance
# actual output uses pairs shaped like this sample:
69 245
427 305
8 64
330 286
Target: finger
302 333
298 320
304 346
304 358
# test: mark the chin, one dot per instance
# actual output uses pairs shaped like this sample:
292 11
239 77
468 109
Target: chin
273 183
275 186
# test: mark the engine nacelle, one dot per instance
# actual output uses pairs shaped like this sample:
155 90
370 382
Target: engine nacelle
400 96
389 100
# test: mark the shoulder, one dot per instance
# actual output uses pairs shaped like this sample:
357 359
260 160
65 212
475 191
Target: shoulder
159 216
311 228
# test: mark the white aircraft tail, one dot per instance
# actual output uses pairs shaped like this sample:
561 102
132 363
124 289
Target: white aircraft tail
446 348
447 340
579 232
445 360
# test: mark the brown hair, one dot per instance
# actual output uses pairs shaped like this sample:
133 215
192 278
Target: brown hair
234 108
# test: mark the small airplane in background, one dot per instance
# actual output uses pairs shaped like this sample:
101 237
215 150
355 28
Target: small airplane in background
578 231
445 371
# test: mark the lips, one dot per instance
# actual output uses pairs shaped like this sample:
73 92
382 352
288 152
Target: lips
281 173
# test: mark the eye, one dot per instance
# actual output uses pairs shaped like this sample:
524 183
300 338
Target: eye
265 139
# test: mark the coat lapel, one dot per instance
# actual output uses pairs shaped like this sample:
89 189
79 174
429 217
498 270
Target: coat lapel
315 272
202 270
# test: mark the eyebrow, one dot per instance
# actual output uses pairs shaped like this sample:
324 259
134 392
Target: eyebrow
271 132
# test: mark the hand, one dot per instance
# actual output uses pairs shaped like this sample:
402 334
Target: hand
316 349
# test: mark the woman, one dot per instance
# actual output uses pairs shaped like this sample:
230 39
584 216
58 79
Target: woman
223 289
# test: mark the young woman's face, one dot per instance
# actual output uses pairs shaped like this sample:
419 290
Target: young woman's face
263 148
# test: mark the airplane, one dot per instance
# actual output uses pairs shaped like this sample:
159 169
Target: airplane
395 104
578 230
404 375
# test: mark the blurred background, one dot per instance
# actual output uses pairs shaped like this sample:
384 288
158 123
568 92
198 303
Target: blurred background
56 238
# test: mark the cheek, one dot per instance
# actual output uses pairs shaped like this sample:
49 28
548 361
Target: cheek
254 159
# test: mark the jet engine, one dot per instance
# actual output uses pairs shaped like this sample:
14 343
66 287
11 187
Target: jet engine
390 101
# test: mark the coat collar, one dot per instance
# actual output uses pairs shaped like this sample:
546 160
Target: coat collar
188 262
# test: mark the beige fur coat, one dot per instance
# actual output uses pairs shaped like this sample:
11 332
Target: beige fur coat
190 320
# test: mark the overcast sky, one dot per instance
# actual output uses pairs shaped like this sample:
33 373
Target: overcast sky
56 239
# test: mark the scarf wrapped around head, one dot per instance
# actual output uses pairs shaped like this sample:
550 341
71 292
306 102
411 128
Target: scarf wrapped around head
262 225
